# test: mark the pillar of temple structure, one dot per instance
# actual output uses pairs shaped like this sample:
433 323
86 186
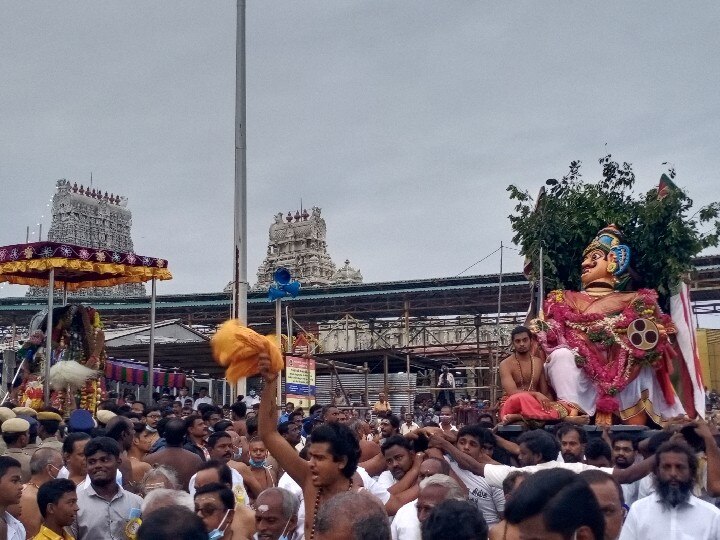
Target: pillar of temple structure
297 242
87 216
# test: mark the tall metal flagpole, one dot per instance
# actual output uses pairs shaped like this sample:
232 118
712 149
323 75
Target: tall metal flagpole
240 285
151 355
496 360
48 336
541 288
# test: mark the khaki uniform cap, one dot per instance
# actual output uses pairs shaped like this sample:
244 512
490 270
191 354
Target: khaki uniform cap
15 425
6 414
104 416
49 415
25 411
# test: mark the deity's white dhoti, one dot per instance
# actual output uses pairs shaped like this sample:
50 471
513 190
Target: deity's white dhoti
643 393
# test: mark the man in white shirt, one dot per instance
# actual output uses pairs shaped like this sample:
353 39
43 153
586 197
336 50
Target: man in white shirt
538 450
10 492
204 398
183 396
433 491
448 428
251 399
673 512
406 525
446 380
399 459
468 449
408 426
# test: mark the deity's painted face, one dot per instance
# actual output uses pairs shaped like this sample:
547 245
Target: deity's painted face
595 273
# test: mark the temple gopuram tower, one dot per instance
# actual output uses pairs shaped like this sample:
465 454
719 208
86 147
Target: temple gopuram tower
297 242
88 217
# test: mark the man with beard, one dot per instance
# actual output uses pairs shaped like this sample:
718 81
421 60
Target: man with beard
572 441
521 372
673 512
104 506
624 452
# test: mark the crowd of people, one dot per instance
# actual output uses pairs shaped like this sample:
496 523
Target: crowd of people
184 468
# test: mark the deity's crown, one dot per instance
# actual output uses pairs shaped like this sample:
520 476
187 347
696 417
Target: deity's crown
606 239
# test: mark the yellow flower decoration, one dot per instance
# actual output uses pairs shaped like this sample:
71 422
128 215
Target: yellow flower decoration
100 256
28 252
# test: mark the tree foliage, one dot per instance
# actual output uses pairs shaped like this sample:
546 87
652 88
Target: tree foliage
662 234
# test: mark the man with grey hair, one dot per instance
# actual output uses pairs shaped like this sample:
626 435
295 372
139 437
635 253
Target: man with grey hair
45 464
276 514
352 515
433 490
162 497
160 476
406 526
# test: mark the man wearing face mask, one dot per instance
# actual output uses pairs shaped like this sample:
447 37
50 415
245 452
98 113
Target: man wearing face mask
45 464
276 515
215 504
448 428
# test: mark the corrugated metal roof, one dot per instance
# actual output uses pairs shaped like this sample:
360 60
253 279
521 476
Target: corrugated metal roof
160 304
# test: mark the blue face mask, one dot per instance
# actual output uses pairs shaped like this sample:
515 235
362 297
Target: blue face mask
257 464
218 533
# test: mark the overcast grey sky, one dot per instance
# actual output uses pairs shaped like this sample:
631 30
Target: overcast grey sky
405 121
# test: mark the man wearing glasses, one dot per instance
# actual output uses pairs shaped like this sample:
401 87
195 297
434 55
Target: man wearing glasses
215 504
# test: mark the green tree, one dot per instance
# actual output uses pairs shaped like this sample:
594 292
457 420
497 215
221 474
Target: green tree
661 233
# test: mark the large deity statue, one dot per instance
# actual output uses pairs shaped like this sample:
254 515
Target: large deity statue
608 348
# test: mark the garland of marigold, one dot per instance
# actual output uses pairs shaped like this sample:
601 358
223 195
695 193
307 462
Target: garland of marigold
600 341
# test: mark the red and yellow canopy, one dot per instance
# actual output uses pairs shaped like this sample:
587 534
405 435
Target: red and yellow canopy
76 267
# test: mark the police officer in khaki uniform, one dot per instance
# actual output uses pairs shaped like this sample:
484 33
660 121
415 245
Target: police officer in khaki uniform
29 414
49 422
5 414
15 433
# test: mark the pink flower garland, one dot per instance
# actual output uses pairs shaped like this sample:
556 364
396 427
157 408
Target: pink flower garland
600 341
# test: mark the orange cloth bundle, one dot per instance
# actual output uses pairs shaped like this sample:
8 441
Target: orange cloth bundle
237 348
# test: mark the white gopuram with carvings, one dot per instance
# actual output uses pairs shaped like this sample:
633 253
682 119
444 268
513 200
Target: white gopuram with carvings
297 242
88 217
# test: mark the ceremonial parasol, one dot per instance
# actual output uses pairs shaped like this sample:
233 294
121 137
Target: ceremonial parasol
56 265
